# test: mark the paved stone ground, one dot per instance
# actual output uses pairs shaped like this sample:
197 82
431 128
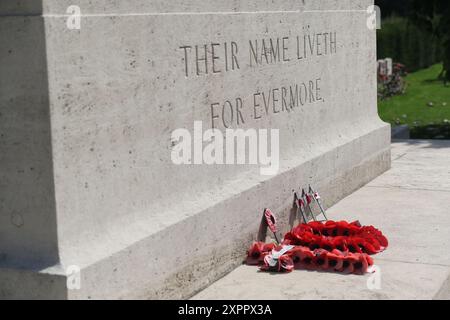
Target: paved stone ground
411 204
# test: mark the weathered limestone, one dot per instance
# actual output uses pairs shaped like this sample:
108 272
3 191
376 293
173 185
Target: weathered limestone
86 116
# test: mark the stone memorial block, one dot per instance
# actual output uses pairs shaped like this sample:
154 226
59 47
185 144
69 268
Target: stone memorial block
98 197
385 67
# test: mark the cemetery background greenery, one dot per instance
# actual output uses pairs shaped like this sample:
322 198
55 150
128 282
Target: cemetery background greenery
417 33
425 107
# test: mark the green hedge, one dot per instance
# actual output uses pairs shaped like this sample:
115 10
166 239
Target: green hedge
406 43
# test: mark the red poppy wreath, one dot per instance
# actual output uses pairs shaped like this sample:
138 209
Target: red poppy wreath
330 246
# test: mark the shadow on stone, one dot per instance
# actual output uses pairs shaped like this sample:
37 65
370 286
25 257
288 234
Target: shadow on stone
27 204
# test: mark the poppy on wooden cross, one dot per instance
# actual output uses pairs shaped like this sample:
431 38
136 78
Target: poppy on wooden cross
307 199
316 197
301 207
271 222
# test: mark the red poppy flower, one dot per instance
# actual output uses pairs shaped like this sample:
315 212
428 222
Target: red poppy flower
340 243
298 234
320 259
303 238
288 242
268 247
330 229
335 260
327 244
377 234
303 228
338 252
314 242
316 226
255 254
354 228
374 242
289 239
306 258
360 265
356 223
365 245
352 245
369 260
342 228
383 241
296 256
347 264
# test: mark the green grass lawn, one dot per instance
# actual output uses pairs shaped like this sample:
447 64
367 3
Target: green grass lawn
425 106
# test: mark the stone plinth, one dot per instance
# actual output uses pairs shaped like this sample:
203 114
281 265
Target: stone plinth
86 123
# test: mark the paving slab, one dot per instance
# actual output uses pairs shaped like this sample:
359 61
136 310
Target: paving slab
398 281
410 204
421 164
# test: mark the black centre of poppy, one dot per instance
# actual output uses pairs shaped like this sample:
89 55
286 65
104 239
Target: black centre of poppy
307 260
346 264
358 265
256 254
320 261
327 247
296 259
333 263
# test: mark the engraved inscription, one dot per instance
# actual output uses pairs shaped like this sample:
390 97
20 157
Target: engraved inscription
215 58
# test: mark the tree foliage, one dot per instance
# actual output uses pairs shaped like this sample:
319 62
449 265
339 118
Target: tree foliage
407 43
434 16
390 8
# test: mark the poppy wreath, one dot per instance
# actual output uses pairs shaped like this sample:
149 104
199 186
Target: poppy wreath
330 246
